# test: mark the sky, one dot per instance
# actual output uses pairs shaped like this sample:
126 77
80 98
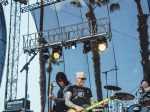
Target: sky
126 46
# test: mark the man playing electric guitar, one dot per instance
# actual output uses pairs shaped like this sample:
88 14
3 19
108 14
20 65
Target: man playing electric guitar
77 95
63 83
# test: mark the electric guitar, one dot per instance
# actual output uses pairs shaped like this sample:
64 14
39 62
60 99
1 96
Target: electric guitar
91 106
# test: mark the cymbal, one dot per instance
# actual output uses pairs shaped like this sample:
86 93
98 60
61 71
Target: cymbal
124 96
111 87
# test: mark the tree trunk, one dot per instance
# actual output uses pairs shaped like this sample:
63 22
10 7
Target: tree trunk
144 37
49 70
42 82
42 64
96 57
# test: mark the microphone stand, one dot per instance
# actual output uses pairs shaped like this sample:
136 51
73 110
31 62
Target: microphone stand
106 72
26 67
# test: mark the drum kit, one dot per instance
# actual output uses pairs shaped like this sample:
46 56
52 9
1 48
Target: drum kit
120 102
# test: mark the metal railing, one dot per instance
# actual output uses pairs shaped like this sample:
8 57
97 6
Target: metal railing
68 34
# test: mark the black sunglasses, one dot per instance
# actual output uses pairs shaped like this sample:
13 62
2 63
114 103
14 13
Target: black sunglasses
82 78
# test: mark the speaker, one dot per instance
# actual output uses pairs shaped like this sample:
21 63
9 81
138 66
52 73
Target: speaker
17 104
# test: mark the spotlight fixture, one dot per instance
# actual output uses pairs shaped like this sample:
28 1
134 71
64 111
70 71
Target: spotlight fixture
102 44
45 53
87 47
73 45
57 52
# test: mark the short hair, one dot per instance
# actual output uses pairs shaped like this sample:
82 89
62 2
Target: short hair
62 76
80 74
145 81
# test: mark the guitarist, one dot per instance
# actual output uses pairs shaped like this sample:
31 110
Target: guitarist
63 83
78 96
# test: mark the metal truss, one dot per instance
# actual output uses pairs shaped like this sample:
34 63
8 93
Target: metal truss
4 2
38 5
13 52
66 35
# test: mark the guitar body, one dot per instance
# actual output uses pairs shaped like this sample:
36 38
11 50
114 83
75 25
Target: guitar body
86 109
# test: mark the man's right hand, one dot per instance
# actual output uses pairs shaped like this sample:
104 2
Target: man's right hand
78 108
52 97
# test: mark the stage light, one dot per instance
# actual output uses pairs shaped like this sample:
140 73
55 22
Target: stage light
102 44
73 45
57 52
87 47
45 53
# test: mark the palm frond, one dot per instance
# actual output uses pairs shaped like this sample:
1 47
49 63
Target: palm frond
98 4
103 2
92 2
114 7
76 3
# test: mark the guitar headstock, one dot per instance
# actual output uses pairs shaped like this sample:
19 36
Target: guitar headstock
51 88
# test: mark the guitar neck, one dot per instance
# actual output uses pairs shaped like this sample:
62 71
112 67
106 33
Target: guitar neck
93 105
50 93
96 104
51 88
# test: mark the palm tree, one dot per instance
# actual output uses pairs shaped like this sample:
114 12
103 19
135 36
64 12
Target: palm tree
90 15
144 37
42 63
51 61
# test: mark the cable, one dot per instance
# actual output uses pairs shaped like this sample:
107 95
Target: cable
108 14
70 13
148 5
112 46
28 22
64 61
115 63
60 32
124 34
134 89
73 14
87 61
56 14
34 17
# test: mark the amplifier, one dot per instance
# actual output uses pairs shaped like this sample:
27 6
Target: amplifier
17 104
17 111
